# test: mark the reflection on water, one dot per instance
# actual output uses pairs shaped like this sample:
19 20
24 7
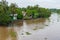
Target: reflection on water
37 29
5 35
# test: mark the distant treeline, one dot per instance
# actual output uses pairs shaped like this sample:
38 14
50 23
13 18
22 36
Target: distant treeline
55 10
31 12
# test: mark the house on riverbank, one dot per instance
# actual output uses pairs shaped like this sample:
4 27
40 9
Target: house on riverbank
14 16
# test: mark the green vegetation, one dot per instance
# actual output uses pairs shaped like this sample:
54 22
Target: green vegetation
13 34
37 12
28 33
19 12
32 12
4 13
58 11
55 10
46 25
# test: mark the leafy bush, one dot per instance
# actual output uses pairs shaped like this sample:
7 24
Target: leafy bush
5 19
19 12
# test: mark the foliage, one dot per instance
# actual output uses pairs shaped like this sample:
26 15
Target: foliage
12 33
55 10
19 12
37 12
31 12
4 14
28 33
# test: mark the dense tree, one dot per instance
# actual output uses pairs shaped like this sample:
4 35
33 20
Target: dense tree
13 8
4 14
31 12
19 12
36 12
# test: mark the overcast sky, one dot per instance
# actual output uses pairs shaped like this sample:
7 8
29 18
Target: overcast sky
42 3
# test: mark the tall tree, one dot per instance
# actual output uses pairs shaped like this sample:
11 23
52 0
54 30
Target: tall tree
4 14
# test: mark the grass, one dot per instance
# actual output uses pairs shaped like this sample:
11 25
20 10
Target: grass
13 34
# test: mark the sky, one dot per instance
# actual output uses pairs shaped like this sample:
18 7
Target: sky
41 3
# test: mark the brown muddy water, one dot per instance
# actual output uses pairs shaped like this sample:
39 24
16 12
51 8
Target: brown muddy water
38 29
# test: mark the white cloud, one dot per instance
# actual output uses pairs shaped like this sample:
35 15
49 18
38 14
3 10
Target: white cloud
42 3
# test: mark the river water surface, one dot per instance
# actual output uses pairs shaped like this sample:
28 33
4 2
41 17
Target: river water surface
37 29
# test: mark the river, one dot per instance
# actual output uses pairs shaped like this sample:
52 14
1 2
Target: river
35 29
